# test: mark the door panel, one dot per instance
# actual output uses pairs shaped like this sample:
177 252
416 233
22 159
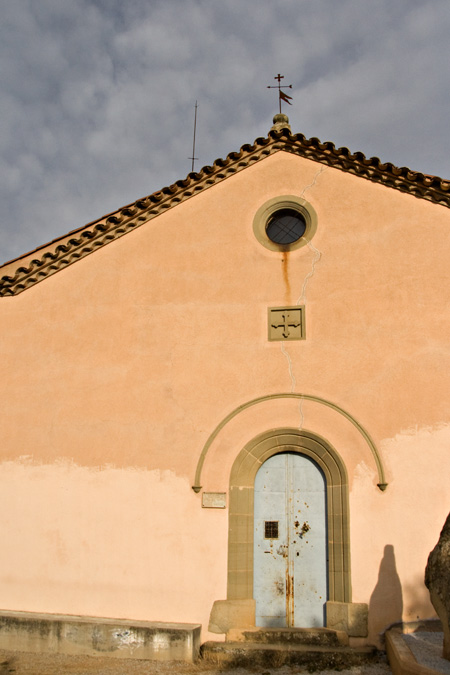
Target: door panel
290 542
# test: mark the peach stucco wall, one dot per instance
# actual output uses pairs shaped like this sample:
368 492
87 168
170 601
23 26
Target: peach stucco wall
115 371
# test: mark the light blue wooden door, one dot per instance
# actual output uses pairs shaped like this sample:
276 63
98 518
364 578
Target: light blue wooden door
290 543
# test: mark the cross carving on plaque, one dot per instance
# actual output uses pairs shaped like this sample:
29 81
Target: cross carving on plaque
286 324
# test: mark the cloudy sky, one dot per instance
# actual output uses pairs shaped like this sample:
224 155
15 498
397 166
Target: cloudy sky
97 96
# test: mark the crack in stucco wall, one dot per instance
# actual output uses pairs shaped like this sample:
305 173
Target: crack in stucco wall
291 372
317 255
314 181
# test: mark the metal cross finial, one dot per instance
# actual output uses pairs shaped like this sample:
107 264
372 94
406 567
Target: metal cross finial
281 95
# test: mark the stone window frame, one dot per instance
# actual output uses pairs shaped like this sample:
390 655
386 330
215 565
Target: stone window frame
293 203
241 505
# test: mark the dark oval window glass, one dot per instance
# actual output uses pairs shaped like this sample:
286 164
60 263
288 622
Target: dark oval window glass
286 227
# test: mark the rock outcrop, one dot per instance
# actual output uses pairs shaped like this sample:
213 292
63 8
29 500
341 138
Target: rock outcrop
437 580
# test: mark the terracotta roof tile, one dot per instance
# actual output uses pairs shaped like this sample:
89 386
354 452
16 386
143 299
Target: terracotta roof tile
67 249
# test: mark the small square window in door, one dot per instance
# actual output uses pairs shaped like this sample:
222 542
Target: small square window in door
271 529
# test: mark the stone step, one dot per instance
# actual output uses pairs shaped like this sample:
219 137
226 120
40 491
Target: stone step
313 657
294 636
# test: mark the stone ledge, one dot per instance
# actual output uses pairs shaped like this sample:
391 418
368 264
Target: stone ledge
401 659
93 636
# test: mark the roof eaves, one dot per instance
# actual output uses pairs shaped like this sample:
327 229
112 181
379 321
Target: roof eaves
64 251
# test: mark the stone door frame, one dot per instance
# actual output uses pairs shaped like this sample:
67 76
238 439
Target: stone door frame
241 504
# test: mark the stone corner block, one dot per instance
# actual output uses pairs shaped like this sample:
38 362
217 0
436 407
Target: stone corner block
350 617
227 614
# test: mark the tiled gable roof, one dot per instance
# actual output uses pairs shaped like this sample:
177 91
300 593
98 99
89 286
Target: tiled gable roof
69 248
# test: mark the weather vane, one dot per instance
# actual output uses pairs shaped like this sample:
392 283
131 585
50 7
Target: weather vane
281 95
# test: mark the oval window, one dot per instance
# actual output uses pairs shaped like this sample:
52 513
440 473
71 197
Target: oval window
285 223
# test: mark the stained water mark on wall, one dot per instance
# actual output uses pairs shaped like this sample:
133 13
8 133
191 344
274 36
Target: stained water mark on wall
317 255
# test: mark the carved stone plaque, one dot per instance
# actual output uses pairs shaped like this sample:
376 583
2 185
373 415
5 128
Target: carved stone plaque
214 500
287 323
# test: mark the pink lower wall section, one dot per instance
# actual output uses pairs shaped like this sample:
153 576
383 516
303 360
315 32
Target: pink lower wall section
112 543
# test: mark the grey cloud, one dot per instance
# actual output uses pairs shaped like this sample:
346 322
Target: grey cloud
97 96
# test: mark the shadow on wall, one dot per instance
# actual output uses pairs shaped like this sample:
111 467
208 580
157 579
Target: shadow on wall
386 601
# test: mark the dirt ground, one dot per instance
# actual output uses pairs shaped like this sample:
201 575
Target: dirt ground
57 664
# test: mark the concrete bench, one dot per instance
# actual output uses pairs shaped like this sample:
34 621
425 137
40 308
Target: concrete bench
118 638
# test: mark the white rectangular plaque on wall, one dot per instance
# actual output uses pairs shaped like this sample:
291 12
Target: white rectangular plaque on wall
214 500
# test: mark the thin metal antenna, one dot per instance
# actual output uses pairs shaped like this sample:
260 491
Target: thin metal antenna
193 144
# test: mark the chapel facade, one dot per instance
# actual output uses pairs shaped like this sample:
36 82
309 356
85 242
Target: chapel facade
227 403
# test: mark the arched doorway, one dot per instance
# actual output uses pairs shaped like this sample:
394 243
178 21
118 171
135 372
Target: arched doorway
241 509
290 572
